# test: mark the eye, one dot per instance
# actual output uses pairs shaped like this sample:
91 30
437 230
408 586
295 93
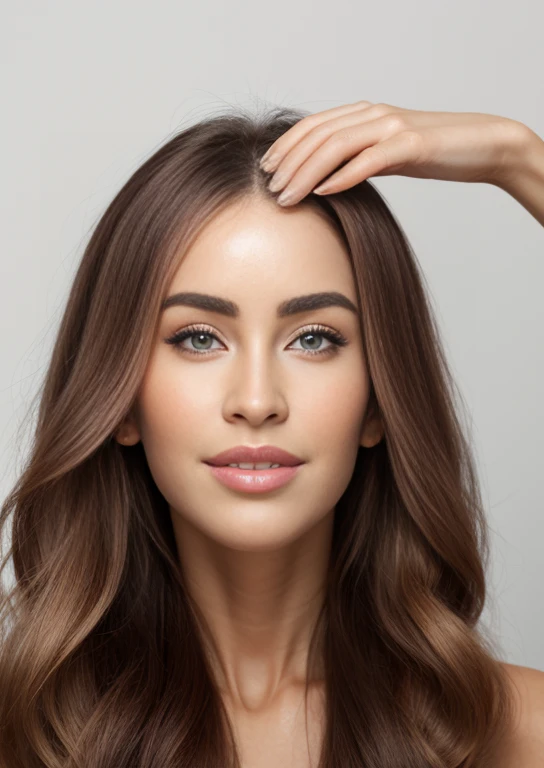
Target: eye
191 331
317 332
204 334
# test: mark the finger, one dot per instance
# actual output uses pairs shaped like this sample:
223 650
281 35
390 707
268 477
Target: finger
287 140
418 118
319 134
405 119
382 159
339 148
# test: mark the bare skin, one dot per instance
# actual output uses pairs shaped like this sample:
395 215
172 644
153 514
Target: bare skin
523 746
280 735
255 565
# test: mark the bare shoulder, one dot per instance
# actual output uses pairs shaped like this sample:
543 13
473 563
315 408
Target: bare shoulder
525 748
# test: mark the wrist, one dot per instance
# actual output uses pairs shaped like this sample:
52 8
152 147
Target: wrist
522 159
522 174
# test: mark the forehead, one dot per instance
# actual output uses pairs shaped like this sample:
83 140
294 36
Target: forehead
257 250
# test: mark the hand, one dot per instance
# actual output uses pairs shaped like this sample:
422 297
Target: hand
381 140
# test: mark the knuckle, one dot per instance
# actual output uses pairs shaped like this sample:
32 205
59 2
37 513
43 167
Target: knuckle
395 123
381 109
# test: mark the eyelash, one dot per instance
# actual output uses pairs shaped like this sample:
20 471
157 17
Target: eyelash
337 339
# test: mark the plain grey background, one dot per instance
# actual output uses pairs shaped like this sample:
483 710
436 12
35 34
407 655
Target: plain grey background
90 90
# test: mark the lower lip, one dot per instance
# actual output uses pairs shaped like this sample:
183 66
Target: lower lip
254 480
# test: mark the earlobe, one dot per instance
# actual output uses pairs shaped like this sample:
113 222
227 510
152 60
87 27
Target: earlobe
127 433
373 430
372 435
126 439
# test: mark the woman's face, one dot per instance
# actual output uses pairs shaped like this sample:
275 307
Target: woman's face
259 379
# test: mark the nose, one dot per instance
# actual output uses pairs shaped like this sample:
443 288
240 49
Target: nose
256 388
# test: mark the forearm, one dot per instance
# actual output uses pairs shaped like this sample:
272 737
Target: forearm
523 177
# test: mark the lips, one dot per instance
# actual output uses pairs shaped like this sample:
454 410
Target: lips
249 454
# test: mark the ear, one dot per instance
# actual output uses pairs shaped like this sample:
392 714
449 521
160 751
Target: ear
373 430
127 433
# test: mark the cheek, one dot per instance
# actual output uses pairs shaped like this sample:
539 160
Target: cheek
172 408
174 421
334 407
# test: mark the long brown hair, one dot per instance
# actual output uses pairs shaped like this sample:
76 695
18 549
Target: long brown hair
102 660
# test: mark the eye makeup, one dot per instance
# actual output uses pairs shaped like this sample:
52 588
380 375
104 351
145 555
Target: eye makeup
335 337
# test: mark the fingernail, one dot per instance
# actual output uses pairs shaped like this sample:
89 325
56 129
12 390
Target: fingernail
268 162
278 181
286 196
323 189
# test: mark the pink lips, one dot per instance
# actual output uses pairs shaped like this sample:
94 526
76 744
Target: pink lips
254 480
242 454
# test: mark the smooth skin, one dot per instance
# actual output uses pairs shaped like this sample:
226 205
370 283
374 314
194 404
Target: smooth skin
256 564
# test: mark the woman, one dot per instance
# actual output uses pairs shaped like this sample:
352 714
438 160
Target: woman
170 610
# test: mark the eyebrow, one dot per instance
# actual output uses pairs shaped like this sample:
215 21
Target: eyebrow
294 306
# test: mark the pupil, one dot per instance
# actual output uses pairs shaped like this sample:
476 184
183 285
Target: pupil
202 335
311 335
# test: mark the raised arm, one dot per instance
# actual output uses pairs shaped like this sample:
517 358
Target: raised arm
383 140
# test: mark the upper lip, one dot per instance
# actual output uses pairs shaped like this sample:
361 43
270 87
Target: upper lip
248 454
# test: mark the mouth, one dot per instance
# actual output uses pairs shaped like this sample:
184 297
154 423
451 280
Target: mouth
253 479
250 467
254 457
